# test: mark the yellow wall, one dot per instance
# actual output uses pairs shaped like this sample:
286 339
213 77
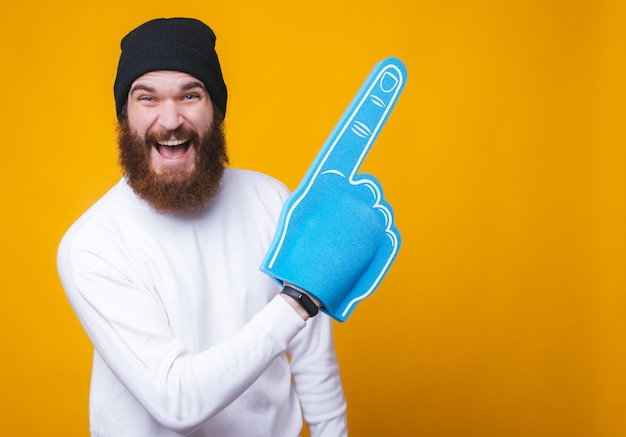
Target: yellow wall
505 312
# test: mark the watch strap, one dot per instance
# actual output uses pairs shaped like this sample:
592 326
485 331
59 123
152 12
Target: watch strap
303 299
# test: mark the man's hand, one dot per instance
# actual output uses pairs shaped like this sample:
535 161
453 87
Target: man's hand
336 238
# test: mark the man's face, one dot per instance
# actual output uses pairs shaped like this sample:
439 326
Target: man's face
171 142
159 104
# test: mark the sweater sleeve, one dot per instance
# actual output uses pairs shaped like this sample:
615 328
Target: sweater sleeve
316 376
129 328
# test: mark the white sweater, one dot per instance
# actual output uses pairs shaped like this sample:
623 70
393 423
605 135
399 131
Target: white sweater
190 337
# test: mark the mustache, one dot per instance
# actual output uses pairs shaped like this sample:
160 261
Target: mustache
181 132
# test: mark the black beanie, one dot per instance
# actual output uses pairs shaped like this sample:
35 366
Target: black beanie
175 44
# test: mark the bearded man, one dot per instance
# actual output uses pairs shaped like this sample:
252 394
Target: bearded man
190 338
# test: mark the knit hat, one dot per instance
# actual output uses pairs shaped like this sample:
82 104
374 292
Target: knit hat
175 44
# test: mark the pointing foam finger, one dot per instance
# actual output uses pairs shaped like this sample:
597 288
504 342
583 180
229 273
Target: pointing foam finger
351 139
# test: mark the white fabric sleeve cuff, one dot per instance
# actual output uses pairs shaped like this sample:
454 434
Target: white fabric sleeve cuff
280 320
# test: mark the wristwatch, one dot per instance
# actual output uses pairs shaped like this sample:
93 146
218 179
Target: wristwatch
304 300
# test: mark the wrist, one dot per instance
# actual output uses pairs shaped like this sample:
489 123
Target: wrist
306 305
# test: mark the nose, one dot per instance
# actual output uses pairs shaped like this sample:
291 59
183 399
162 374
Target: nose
170 116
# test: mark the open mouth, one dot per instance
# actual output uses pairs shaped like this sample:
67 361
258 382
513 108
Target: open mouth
173 149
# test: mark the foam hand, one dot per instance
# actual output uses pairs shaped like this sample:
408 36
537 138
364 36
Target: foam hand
335 237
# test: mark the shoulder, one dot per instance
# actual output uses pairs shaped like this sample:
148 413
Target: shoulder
249 178
109 215
250 185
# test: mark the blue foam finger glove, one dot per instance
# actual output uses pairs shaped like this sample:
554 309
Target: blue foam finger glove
335 237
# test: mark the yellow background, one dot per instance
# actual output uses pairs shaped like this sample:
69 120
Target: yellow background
505 312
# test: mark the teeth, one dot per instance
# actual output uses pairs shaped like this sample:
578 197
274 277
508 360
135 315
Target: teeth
172 143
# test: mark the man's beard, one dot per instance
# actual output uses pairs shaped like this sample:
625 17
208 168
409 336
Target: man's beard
175 190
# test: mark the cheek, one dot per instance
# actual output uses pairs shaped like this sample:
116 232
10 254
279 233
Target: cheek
201 120
138 122
137 128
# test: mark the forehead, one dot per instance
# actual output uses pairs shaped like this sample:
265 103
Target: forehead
167 80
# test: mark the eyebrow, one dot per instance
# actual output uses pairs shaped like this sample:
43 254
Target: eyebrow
186 87
141 87
193 84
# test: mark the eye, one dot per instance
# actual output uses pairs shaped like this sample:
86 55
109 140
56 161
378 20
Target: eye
191 96
147 99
